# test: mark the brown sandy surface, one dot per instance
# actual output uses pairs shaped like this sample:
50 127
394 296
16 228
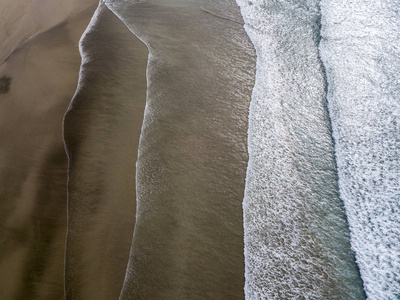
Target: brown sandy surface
22 20
37 83
191 167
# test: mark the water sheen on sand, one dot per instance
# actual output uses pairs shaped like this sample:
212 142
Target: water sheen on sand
101 131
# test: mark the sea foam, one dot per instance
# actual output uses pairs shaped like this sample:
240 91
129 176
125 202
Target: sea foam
296 234
360 50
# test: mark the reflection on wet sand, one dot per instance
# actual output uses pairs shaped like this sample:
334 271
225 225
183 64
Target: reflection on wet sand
23 20
188 240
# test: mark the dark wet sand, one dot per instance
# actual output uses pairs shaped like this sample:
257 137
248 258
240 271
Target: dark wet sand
42 76
102 129
188 240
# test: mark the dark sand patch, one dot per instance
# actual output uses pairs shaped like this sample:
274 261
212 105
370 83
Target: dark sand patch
5 83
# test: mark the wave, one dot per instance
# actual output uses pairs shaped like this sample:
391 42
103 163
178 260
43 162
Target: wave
359 48
296 234
101 132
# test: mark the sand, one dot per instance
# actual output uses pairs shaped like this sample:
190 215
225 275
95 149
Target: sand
188 232
37 83
22 20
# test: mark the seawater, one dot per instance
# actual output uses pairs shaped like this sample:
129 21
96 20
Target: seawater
297 243
360 49
188 238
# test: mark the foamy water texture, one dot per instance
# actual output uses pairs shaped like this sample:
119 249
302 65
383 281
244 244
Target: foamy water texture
296 235
360 48
188 235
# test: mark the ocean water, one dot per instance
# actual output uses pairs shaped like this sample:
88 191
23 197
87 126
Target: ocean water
360 49
188 238
296 235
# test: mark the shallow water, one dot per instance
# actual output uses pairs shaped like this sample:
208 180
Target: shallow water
184 119
101 132
188 240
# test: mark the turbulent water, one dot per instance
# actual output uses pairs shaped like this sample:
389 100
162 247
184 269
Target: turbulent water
296 235
360 48
295 227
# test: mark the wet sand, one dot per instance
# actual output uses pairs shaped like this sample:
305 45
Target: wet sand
101 131
188 240
37 83
23 20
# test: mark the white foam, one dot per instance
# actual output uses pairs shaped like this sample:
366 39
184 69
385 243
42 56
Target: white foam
296 235
360 50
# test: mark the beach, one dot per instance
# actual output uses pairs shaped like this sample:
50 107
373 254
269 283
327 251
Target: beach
38 82
192 158
199 149
189 219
